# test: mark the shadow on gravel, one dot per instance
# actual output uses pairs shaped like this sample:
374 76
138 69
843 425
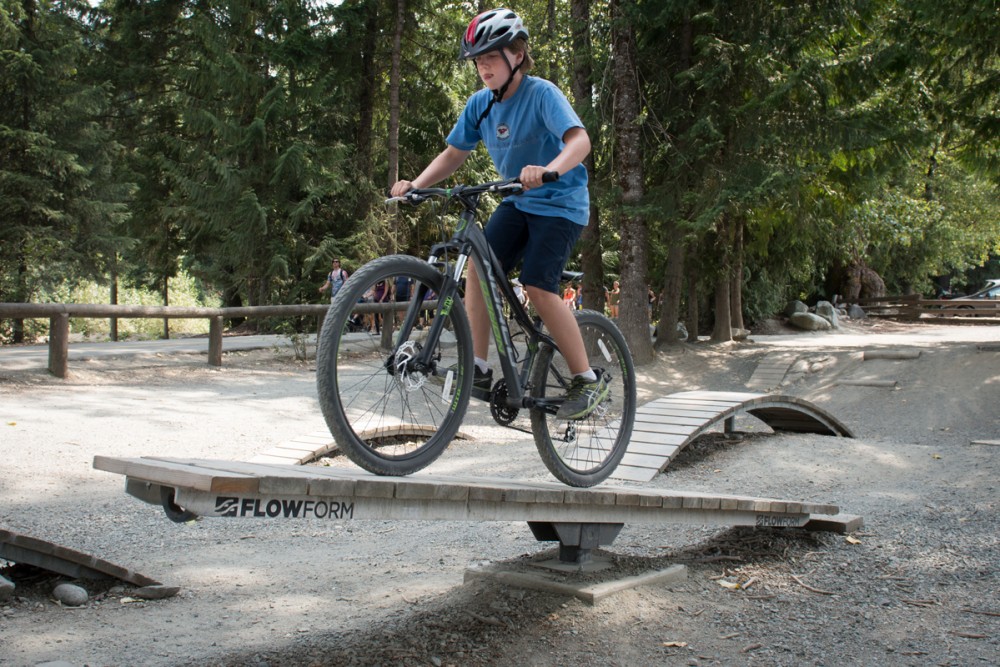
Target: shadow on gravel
484 624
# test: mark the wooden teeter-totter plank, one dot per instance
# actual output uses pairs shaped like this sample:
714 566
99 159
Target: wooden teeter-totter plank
676 420
257 490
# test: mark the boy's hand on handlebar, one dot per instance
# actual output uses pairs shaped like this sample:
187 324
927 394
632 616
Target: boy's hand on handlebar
534 176
401 188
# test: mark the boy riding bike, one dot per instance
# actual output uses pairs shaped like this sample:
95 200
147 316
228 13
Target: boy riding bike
528 128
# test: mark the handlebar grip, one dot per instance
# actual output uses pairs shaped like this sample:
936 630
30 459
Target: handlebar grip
550 177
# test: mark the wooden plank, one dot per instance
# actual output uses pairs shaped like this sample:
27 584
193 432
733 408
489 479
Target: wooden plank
171 474
303 453
881 384
647 418
728 503
407 489
283 460
650 409
19 548
313 439
286 480
736 396
643 460
696 404
658 438
666 428
631 474
318 481
652 449
890 354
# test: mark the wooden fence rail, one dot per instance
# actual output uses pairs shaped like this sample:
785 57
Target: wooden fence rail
915 307
59 314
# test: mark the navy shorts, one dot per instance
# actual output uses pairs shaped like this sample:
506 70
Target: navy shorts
543 242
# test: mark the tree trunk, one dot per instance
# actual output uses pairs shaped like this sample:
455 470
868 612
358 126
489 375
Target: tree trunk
166 302
693 305
633 308
736 286
673 283
723 329
673 279
591 246
114 302
551 68
395 76
366 106
21 292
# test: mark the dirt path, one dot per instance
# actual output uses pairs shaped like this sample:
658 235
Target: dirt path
917 586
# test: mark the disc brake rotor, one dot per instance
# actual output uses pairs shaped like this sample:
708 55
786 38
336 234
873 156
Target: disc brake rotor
410 379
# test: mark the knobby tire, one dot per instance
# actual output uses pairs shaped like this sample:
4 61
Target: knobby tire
391 420
585 452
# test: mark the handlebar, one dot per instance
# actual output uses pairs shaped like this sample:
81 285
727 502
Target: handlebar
509 186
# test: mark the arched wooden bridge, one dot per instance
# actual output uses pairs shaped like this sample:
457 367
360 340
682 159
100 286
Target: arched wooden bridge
665 426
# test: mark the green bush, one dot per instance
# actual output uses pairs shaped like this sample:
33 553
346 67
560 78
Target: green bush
184 290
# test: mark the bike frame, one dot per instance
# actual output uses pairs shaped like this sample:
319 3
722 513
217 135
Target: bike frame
469 240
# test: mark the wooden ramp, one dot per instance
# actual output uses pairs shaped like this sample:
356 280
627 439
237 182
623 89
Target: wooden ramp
580 519
665 426
771 371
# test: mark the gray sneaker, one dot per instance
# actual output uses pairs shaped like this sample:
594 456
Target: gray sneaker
583 396
482 383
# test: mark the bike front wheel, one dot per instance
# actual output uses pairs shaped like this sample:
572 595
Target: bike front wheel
389 412
584 452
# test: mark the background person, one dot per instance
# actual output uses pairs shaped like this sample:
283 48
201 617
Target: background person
335 279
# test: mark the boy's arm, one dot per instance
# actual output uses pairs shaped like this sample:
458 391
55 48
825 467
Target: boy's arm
576 147
440 168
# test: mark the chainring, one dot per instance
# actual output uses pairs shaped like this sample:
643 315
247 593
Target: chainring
502 413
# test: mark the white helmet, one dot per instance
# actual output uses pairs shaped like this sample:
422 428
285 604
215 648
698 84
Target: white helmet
491 31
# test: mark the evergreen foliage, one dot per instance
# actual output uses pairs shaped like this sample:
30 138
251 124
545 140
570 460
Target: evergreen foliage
245 142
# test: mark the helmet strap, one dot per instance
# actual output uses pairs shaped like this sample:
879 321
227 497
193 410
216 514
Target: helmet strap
501 91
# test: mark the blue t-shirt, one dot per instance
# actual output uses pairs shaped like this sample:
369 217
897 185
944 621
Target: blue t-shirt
527 129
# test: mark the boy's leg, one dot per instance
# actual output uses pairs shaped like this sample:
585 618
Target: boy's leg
551 243
561 323
479 321
507 234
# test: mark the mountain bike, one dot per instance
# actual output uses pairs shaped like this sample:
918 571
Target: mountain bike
394 401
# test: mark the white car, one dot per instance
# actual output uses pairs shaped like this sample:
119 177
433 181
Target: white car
991 292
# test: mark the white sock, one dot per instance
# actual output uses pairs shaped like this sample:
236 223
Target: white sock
483 366
589 375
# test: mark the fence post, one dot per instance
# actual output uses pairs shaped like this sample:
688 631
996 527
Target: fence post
215 341
58 344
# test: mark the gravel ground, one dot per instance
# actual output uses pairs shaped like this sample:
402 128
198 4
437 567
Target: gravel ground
916 586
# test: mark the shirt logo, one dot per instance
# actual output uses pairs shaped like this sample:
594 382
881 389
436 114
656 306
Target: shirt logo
503 132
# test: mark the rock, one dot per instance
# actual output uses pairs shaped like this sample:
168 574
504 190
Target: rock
856 312
793 307
158 592
809 322
6 588
70 595
826 310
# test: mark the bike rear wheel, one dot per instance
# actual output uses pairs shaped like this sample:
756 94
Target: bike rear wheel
388 414
586 451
